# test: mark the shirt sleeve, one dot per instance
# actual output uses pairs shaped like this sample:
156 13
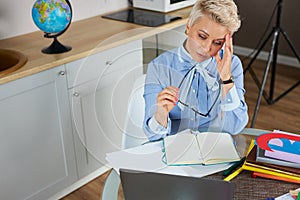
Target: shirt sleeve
235 109
157 128
231 101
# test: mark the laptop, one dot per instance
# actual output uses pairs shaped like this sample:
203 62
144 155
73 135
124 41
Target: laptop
140 185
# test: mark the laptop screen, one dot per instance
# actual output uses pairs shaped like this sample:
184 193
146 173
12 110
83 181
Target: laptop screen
139 185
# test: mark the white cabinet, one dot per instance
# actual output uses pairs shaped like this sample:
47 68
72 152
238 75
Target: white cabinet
36 147
99 89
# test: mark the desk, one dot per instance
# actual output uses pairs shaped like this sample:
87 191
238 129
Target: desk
246 187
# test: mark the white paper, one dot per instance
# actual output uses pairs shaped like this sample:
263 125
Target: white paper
286 196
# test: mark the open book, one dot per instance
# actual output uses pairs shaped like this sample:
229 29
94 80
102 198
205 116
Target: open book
191 147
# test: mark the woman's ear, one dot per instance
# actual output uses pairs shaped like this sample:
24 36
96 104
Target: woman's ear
187 27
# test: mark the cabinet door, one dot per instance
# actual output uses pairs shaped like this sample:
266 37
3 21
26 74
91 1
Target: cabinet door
36 146
96 65
99 106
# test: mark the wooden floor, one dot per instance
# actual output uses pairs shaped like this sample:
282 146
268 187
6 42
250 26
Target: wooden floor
283 115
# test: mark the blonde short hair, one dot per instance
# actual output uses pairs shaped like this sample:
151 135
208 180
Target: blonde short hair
224 12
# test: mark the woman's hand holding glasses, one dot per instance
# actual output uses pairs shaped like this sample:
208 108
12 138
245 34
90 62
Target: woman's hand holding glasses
165 102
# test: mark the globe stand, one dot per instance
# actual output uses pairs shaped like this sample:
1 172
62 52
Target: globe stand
56 47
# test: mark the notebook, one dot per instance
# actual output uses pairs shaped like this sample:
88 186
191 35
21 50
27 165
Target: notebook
192 147
139 185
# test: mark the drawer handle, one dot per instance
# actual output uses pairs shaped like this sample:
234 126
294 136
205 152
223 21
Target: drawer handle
62 73
108 63
76 94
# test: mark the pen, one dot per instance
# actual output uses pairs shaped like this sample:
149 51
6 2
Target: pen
234 167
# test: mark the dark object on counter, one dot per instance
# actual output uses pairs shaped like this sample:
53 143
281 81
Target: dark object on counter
142 17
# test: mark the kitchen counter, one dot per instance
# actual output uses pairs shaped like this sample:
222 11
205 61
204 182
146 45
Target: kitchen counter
86 37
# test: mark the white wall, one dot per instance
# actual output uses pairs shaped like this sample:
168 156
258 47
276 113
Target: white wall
15 15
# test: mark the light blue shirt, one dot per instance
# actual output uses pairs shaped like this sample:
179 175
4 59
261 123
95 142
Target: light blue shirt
228 115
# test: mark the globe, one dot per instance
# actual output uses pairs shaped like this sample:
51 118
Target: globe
53 17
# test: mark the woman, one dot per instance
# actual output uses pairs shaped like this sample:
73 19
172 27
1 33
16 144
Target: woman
200 84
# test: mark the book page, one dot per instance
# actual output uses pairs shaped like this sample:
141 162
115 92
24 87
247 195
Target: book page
217 147
181 149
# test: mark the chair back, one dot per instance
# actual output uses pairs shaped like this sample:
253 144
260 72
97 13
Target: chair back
133 134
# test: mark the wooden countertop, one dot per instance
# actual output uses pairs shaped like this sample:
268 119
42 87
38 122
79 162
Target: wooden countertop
86 37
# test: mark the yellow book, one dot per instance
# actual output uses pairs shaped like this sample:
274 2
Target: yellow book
252 165
274 173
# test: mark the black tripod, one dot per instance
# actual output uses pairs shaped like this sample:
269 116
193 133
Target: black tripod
272 57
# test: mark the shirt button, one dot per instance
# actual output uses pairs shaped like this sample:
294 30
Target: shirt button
194 91
229 100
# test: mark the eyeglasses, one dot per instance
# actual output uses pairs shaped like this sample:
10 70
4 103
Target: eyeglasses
192 107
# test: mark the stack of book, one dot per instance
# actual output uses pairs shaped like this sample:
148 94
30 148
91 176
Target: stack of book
274 155
272 171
